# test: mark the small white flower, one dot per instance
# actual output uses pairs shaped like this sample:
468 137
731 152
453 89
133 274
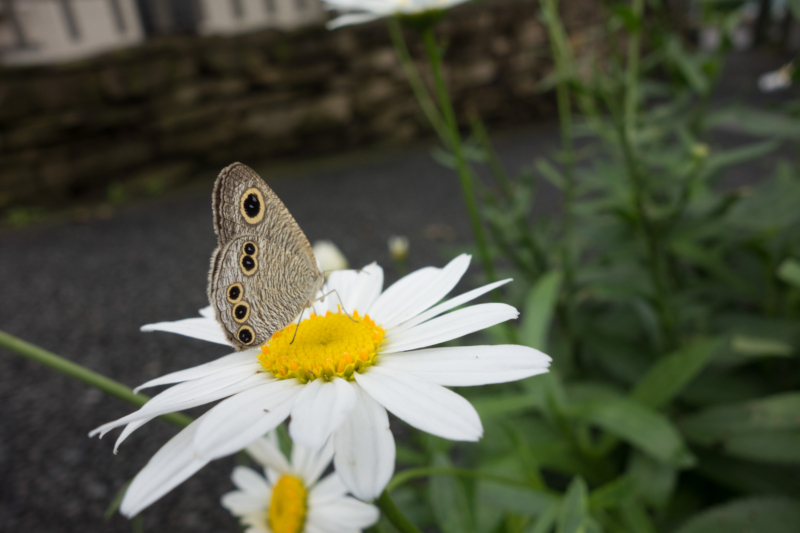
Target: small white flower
777 79
360 11
289 498
329 256
337 379
398 247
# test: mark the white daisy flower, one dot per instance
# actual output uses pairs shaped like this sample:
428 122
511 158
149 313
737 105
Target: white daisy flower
290 498
360 11
337 379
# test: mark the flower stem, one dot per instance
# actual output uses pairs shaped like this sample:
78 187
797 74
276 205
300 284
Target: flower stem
559 46
628 138
394 515
107 385
465 176
415 80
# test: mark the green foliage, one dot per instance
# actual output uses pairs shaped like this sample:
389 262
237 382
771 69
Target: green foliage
669 301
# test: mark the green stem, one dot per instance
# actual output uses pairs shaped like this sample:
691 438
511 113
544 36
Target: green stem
464 174
627 134
394 515
109 386
562 57
499 171
632 73
415 80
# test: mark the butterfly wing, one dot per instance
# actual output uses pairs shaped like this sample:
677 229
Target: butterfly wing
263 272
257 287
243 204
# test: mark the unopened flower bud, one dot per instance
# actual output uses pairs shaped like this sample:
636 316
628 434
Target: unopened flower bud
398 247
329 256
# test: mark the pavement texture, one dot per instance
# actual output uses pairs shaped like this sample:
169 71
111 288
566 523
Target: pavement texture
83 289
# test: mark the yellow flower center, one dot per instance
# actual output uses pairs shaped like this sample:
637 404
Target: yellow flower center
325 346
287 508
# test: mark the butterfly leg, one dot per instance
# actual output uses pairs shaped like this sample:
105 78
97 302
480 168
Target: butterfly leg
333 291
297 326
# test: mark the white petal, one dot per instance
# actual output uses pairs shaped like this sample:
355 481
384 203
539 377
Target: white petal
310 463
366 289
190 394
143 416
401 291
350 19
448 327
205 329
447 305
329 489
429 293
273 475
207 312
241 503
201 371
238 421
249 481
344 514
426 406
364 447
466 366
268 454
319 410
169 467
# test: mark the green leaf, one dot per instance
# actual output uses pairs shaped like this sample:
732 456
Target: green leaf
490 406
519 500
550 173
117 500
748 515
789 269
449 500
667 378
546 520
759 122
635 516
572 515
747 476
736 156
713 425
655 480
767 446
539 306
794 7
612 494
637 424
759 347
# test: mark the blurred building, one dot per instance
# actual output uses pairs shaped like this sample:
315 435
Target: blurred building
50 31
239 16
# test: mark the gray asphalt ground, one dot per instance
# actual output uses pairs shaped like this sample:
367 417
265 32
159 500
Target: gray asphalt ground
83 289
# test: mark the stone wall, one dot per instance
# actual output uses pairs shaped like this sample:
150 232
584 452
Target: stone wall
156 115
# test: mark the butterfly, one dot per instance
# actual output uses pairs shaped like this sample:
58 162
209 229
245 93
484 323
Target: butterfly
263 271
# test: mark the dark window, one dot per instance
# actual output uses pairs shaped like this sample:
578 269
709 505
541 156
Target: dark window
69 19
119 17
238 8
270 6
19 31
301 5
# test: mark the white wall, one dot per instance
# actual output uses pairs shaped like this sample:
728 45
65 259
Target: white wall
219 16
49 39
